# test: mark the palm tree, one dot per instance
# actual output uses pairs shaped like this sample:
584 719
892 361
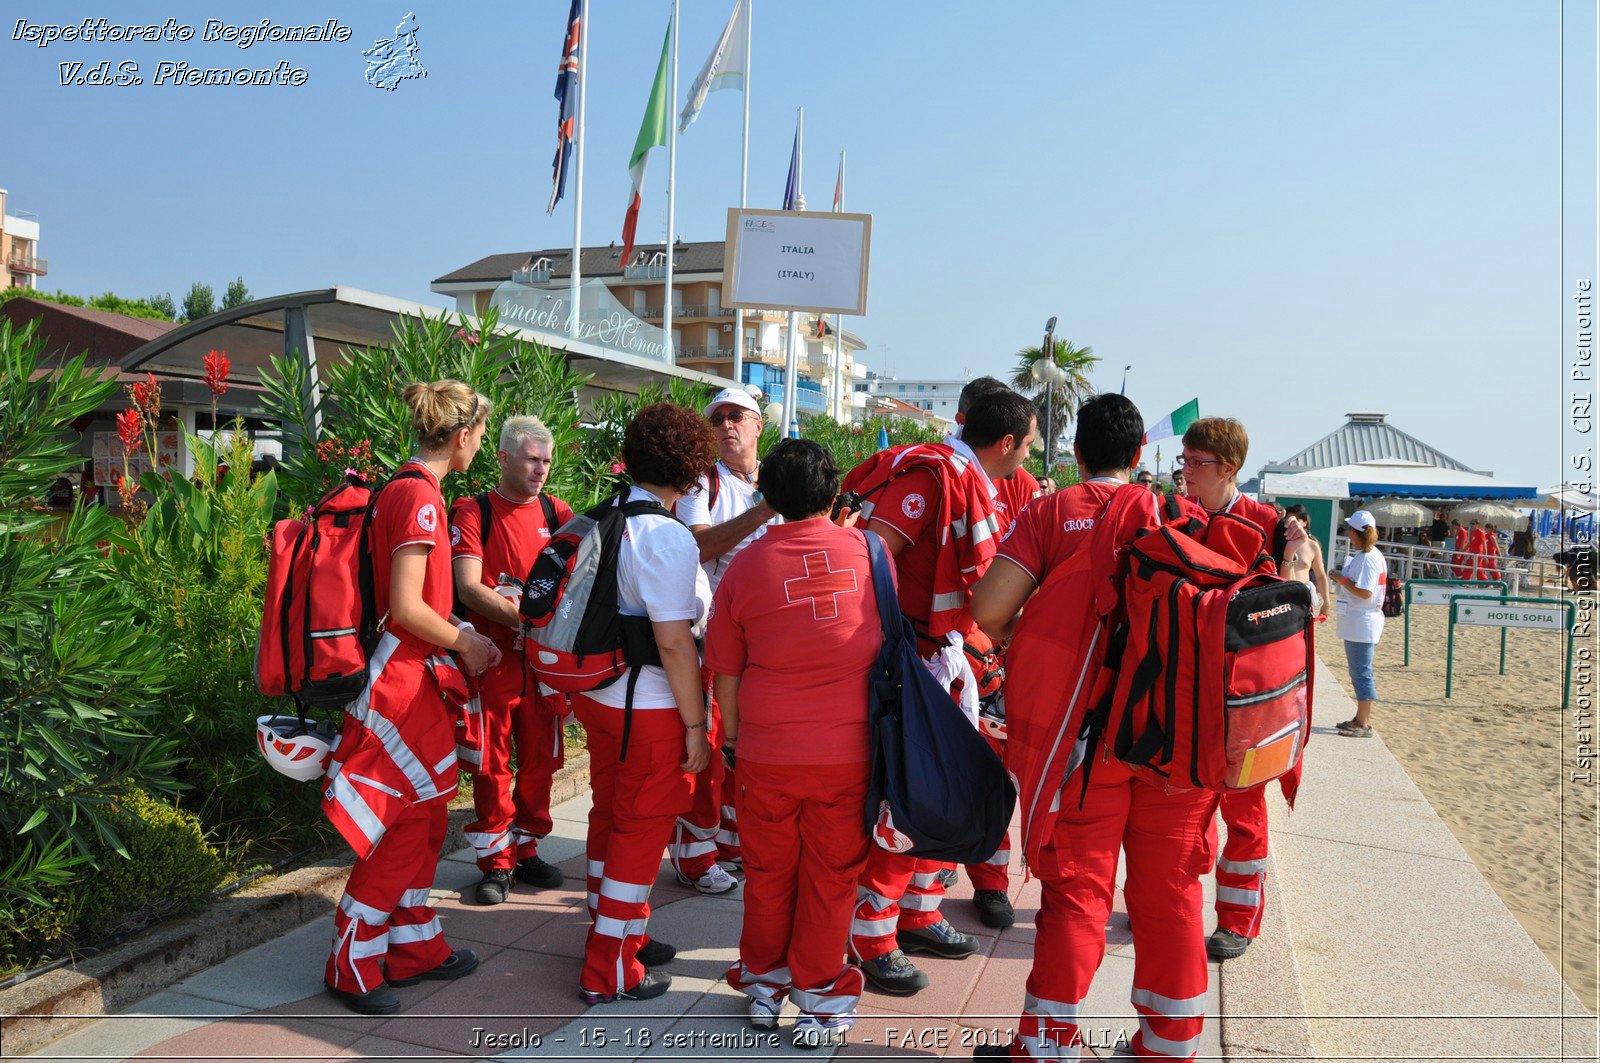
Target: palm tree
1065 398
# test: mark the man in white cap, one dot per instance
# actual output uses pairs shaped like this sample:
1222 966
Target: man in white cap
726 514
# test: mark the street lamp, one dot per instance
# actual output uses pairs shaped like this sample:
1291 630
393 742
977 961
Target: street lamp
1046 372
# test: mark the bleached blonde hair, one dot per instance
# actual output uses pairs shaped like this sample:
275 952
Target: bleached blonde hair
524 426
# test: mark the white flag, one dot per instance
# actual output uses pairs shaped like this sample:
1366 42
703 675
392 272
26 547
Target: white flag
724 68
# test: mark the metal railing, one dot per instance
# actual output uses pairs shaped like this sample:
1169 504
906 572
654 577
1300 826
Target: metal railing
20 259
1409 561
705 352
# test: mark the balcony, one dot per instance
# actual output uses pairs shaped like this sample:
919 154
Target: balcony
689 353
653 271
25 262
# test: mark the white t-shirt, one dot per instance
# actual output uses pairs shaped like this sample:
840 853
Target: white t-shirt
735 495
659 576
1361 619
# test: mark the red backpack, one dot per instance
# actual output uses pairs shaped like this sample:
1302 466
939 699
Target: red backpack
318 625
1214 685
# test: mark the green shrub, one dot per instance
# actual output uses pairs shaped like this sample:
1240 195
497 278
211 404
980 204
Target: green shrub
76 677
169 869
850 445
116 304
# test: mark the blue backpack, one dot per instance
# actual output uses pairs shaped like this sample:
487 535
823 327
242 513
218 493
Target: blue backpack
937 790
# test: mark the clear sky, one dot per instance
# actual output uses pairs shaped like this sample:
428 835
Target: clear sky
1289 210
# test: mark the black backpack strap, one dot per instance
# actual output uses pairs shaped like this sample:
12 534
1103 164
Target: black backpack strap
485 520
549 507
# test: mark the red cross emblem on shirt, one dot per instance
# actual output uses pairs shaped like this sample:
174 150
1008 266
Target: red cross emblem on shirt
821 585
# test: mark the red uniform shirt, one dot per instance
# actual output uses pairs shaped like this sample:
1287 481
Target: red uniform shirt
410 512
1260 514
1012 497
907 505
1050 529
517 533
796 617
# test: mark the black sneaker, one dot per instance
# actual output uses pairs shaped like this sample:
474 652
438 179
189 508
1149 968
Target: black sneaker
894 974
540 874
992 1052
655 953
495 887
948 877
379 1001
994 908
461 963
1226 945
652 985
941 939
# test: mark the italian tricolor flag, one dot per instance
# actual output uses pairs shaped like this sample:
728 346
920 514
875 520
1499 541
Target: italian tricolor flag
1175 423
652 134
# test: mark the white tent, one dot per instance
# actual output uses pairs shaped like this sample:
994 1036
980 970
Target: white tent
1392 476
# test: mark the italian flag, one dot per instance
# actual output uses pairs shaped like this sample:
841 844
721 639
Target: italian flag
652 134
1175 423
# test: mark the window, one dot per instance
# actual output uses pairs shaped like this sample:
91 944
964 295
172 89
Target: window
922 387
902 387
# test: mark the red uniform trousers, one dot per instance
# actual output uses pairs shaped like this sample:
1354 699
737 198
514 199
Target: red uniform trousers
383 925
994 873
710 830
805 843
635 803
1169 841
895 892
513 804
1242 867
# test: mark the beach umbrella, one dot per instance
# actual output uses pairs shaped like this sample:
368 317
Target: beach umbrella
1496 513
1567 498
1391 512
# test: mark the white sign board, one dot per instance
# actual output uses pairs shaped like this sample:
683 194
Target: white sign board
797 260
1440 594
1491 614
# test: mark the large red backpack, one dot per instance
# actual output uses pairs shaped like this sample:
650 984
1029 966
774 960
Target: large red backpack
1214 684
319 622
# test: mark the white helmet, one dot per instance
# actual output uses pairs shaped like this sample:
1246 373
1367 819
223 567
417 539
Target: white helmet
294 747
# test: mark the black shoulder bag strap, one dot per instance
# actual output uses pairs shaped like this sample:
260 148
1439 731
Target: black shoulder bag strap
364 575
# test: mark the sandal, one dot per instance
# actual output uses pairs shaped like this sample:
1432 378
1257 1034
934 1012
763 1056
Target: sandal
1354 730
1346 725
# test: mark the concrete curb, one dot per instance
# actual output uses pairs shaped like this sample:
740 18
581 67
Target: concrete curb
53 1005
1264 1010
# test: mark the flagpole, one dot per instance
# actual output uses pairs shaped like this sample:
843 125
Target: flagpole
577 196
838 325
672 180
744 185
791 367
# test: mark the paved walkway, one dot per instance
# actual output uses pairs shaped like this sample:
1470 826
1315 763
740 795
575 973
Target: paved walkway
522 1003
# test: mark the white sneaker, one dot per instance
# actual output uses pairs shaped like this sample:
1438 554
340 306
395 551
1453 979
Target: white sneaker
713 882
764 1013
812 1032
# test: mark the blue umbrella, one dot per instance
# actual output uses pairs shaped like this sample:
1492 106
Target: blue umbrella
883 437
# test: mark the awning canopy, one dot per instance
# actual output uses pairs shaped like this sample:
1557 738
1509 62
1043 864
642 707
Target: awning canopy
1402 479
326 320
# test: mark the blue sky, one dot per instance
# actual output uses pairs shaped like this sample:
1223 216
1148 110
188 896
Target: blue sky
1289 210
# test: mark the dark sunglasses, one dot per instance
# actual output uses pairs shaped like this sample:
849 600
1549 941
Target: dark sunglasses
734 416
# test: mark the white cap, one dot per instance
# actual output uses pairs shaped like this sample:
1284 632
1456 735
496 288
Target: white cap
733 397
1361 520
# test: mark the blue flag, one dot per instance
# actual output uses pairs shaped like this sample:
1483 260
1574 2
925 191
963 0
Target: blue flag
567 97
791 191
883 437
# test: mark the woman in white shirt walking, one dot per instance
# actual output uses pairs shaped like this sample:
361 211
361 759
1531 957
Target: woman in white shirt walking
1360 584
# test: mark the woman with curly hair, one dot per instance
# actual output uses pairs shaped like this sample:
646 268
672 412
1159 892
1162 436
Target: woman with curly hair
641 789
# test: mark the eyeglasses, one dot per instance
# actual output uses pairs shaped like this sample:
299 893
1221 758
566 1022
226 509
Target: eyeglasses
734 416
1186 462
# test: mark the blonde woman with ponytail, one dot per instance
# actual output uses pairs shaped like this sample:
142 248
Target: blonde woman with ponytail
394 765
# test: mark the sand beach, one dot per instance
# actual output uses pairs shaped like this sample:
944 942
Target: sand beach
1495 762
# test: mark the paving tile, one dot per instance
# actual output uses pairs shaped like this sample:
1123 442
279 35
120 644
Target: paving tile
575 810
950 982
155 1020
271 1037
563 934
275 972
706 932
508 997
382 1050
500 924
323 1007
905 1037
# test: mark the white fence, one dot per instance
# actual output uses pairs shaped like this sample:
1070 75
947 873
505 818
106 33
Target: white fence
1409 561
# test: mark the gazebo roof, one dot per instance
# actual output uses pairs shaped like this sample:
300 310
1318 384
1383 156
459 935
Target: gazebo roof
1366 437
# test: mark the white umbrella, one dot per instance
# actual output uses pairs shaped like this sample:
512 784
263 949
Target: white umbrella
1497 513
1567 498
1391 512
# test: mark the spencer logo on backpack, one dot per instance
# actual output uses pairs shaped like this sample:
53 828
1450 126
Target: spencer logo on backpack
319 622
574 639
937 790
1213 683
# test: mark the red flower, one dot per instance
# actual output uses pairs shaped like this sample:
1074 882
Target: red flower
467 337
146 396
217 365
130 429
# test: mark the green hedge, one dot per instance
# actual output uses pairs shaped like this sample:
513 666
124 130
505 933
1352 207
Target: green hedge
169 869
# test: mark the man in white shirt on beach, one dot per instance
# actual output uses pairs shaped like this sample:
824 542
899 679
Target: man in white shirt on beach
725 515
